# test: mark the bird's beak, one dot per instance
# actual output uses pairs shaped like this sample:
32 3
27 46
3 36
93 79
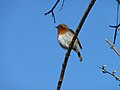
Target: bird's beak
56 26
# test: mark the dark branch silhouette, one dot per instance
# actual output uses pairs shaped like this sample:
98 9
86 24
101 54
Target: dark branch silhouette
71 44
116 28
110 73
52 10
118 1
117 25
62 5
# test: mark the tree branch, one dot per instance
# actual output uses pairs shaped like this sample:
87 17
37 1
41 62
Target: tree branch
118 1
117 25
71 44
52 9
112 46
62 5
112 74
116 28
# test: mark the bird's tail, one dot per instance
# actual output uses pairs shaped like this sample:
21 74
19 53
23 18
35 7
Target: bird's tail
79 55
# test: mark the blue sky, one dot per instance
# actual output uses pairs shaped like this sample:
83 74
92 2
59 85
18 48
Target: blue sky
31 58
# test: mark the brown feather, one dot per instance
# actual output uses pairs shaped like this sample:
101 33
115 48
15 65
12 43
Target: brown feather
77 39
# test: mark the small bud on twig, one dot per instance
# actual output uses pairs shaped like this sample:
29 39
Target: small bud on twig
114 72
104 66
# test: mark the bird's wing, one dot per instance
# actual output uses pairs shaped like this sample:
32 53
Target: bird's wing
77 39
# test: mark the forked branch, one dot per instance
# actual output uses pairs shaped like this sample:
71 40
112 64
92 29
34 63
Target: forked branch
52 10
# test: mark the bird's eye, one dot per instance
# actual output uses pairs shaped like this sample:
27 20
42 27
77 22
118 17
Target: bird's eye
62 26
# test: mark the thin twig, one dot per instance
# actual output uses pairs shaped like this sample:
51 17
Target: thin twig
115 26
52 9
71 44
53 15
117 17
116 29
62 5
112 46
110 73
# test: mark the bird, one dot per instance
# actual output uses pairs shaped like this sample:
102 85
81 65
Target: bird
64 37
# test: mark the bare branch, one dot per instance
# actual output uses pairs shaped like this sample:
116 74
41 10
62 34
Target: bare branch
116 29
52 9
112 46
71 44
118 1
117 25
110 73
53 15
62 5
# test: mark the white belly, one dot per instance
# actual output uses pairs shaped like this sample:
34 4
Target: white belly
65 40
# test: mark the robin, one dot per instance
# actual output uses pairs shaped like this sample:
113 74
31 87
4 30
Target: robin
65 35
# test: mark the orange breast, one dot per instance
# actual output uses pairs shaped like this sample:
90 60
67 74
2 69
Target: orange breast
61 31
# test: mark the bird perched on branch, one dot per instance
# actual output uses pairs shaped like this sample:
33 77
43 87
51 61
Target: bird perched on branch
65 35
